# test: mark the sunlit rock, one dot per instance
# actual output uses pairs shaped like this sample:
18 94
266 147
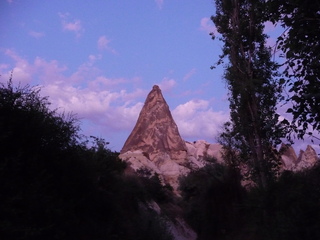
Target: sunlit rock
156 132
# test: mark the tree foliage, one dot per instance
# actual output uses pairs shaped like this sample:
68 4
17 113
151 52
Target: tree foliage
300 45
254 92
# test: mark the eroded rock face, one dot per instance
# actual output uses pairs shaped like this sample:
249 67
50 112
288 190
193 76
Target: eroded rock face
307 158
199 153
289 157
155 132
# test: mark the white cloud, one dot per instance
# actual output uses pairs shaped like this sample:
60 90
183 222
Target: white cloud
159 3
74 25
207 25
197 120
103 44
36 34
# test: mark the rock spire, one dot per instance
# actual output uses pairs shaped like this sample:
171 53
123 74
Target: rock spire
155 132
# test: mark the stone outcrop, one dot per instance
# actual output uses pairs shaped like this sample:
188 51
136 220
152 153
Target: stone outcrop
288 156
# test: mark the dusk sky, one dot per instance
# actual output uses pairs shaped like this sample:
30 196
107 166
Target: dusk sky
99 59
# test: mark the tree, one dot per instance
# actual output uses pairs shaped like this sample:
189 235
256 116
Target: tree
54 185
254 92
25 118
300 44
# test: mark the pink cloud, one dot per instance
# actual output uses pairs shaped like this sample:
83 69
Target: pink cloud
103 44
91 96
49 72
196 119
22 70
73 25
189 74
102 82
159 3
167 84
36 34
207 25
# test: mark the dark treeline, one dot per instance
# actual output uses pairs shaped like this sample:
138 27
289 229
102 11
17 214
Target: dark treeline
218 207
57 184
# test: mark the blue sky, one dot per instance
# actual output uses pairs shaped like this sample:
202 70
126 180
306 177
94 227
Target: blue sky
100 58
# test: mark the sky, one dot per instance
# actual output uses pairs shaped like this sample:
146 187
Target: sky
99 59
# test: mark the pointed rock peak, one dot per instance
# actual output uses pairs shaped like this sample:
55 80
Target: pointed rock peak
308 156
155 131
155 87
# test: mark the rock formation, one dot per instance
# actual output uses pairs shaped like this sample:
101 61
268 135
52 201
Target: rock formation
307 158
291 162
155 132
155 144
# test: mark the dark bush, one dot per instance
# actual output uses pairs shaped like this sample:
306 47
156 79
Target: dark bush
212 197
